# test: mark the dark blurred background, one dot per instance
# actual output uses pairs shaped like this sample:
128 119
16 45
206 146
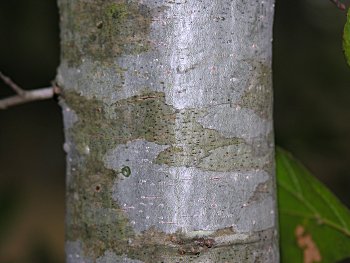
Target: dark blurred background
312 110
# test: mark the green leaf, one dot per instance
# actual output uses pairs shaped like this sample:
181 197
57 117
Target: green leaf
346 38
314 224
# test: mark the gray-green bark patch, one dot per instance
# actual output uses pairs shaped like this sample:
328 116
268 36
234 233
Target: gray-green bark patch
185 198
102 30
258 95
194 144
97 213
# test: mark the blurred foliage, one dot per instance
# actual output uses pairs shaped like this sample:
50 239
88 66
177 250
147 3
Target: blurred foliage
311 86
314 224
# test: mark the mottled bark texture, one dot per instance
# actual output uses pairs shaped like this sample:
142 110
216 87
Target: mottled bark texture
167 107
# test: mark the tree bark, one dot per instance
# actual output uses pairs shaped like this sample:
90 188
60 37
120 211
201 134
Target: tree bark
168 120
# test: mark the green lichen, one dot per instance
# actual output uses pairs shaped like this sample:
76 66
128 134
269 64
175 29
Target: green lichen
117 11
103 30
236 157
193 142
89 192
92 215
126 171
207 149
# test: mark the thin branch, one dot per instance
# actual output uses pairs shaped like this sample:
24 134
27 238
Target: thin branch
13 85
24 96
339 4
27 96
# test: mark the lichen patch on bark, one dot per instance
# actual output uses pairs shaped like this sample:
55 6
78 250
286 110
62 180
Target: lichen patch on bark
156 194
258 95
100 208
103 30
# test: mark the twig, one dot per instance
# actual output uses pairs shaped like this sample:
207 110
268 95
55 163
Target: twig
24 96
28 96
339 4
13 85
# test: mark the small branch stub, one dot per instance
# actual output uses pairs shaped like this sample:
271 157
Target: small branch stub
24 96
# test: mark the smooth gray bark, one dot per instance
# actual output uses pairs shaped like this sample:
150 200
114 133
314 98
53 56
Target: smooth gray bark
169 138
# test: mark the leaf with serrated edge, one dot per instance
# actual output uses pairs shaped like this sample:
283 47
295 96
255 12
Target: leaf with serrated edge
314 224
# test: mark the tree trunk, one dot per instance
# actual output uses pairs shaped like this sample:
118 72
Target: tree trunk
169 138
